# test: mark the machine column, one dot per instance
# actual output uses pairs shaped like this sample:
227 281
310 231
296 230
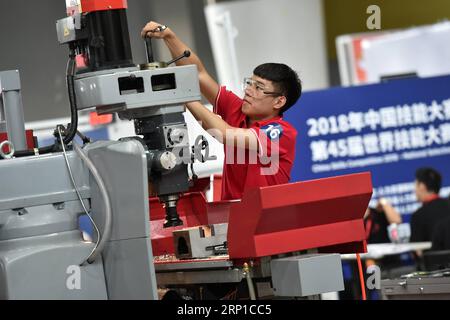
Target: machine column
11 109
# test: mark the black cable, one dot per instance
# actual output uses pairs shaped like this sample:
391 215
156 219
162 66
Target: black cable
70 75
73 127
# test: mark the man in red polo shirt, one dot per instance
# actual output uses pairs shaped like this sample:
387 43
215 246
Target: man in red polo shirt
259 144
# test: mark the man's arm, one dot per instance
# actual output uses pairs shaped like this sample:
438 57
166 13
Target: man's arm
221 130
208 86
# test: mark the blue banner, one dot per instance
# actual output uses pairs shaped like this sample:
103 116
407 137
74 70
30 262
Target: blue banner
389 129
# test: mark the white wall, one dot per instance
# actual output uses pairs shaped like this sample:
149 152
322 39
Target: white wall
176 15
245 34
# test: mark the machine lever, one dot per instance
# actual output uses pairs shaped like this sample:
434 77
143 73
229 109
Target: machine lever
149 50
185 54
149 46
202 144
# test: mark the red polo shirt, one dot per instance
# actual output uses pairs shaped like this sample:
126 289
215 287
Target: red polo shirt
245 169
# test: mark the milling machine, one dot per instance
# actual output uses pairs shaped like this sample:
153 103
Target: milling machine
44 191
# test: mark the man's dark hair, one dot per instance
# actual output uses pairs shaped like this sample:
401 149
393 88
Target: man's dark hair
430 178
284 79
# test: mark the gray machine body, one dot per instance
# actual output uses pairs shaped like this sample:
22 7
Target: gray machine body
11 110
128 258
41 245
307 275
148 93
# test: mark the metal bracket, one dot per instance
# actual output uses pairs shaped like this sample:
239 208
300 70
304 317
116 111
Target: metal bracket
9 81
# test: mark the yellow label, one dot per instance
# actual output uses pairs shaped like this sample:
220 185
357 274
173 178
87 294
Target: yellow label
66 31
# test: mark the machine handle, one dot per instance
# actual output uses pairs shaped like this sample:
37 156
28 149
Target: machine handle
149 50
185 54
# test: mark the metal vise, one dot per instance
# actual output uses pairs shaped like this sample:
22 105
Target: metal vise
201 242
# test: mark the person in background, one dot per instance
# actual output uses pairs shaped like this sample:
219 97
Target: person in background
434 209
377 220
